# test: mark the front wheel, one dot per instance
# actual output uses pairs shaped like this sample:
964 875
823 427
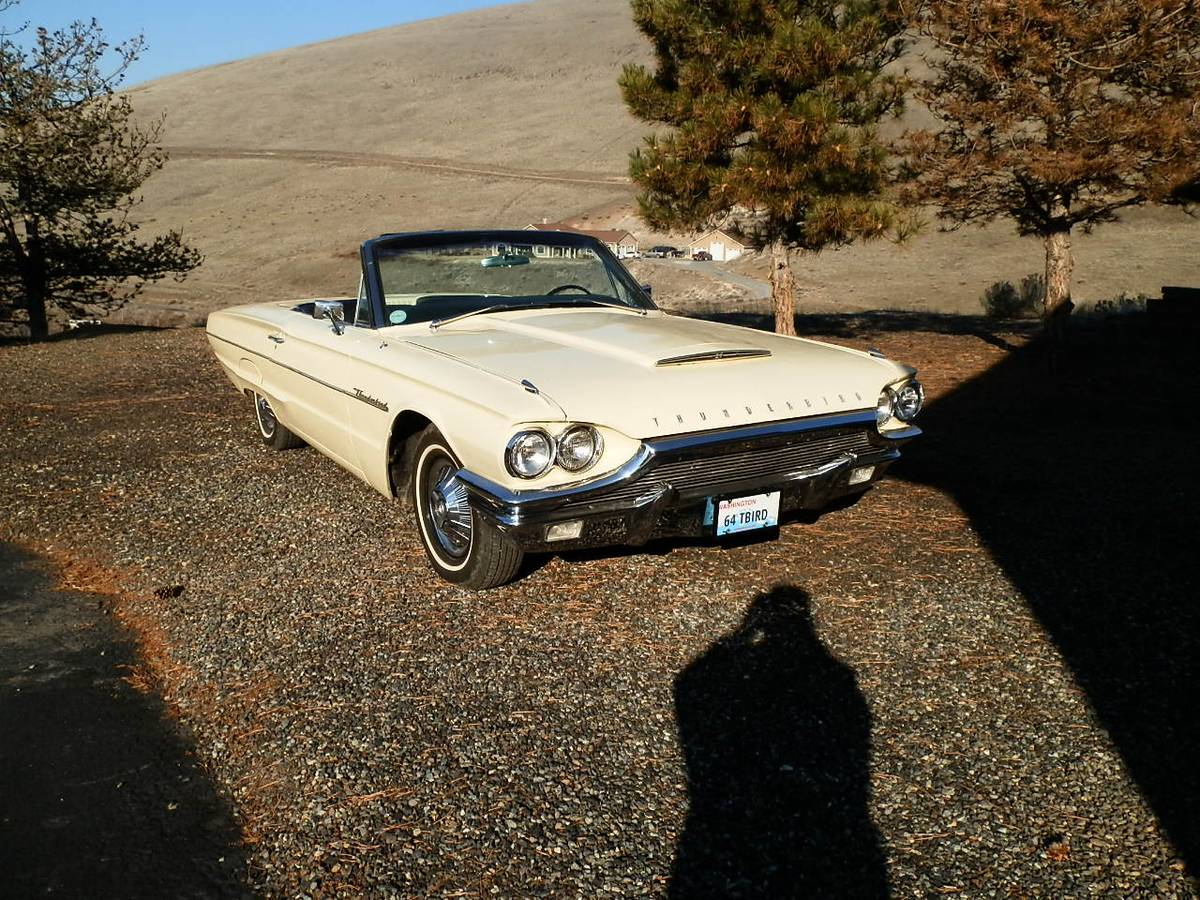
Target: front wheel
462 546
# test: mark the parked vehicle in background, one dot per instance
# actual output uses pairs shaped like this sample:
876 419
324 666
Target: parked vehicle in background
663 251
530 397
702 255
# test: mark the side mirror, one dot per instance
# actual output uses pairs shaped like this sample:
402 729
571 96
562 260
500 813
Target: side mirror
647 289
333 311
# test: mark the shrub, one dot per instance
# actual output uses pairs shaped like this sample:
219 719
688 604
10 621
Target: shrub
1004 300
1122 304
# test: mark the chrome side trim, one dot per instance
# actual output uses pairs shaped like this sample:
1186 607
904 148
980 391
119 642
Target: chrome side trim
365 398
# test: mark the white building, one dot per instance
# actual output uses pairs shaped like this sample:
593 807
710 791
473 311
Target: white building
721 245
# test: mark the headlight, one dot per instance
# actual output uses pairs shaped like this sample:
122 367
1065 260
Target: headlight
908 400
529 454
579 447
883 411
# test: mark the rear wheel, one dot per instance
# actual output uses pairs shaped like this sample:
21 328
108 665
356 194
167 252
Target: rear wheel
462 546
273 432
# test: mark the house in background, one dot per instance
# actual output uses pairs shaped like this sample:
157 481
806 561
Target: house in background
720 244
622 244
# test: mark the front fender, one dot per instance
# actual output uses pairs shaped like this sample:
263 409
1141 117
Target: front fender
474 410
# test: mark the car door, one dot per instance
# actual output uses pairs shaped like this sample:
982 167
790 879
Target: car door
313 368
373 407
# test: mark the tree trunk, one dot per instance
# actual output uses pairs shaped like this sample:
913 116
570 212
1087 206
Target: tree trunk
783 289
1059 266
33 280
33 277
35 302
1057 306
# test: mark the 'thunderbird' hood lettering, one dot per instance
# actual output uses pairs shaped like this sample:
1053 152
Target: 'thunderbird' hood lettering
659 374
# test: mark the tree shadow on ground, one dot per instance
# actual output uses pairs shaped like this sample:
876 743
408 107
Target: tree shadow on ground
857 326
1081 484
100 796
776 738
83 333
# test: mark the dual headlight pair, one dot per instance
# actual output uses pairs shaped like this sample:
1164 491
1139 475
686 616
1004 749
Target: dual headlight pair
902 402
531 453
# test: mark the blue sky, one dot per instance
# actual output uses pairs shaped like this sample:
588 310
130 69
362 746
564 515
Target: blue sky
193 33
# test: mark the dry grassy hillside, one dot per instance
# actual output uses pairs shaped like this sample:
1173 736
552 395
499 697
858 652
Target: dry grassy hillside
281 164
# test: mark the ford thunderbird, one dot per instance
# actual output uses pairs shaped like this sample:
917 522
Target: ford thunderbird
523 393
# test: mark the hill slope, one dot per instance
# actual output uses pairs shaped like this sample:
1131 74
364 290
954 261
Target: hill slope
281 164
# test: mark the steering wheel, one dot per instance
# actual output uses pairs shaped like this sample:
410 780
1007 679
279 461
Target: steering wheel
567 287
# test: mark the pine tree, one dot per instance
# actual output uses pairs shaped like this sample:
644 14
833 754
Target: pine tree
1058 114
71 158
771 110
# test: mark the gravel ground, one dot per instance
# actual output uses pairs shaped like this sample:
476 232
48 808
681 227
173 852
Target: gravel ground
878 701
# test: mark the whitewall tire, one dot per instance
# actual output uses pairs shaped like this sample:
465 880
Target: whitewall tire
461 545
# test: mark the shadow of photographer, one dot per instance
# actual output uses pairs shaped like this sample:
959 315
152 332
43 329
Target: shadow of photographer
776 737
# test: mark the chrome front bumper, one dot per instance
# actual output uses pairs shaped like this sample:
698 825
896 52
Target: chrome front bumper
670 486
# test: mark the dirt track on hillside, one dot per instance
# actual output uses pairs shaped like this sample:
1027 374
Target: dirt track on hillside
436 166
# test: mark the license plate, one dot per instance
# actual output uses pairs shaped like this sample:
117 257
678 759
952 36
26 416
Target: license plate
737 514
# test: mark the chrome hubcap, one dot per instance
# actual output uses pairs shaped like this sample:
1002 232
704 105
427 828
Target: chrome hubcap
266 416
448 509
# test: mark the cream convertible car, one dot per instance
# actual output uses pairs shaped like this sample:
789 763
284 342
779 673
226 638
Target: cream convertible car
522 390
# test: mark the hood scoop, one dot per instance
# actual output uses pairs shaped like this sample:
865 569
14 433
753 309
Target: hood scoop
712 355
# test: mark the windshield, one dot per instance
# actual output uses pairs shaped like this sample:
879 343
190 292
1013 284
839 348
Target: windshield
426 283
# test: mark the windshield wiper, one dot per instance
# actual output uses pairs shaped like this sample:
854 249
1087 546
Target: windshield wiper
438 323
557 301
592 298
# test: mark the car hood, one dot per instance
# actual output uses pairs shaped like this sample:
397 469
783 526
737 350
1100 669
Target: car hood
657 374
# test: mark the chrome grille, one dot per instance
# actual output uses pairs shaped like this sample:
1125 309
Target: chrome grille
805 451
